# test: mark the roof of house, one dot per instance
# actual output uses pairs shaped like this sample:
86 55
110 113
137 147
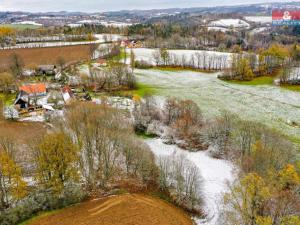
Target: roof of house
46 67
33 88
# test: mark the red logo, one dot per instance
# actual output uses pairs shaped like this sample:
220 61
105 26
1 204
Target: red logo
286 15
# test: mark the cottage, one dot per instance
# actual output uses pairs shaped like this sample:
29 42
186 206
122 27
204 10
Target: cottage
29 93
47 70
67 94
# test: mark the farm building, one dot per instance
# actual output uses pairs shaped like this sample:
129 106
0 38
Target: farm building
29 93
67 94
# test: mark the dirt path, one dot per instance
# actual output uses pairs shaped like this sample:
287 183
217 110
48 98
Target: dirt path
130 209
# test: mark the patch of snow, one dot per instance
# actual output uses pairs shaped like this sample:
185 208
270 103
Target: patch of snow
215 174
146 54
28 23
116 102
222 29
259 19
259 30
48 107
33 117
100 39
238 23
73 25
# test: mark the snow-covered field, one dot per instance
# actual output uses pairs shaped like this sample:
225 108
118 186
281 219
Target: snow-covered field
28 23
259 30
270 105
146 54
238 23
100 38
215 175
222 29
259 19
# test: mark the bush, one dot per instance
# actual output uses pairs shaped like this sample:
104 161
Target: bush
141 64
40 201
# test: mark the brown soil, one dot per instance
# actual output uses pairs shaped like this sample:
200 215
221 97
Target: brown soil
22 132
129 209
40 56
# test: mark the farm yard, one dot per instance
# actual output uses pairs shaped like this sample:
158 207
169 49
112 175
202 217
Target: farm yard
267 104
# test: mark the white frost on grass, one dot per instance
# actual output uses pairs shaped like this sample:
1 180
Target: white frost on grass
238 23
215 174
266 104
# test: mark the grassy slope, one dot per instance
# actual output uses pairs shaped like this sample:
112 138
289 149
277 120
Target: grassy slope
40 216
260 81
141 90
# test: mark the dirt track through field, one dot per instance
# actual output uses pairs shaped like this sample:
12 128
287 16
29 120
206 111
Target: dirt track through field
129 209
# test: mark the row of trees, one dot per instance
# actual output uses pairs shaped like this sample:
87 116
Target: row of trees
115 76
245 66
267 189
199 60
178 120
183 180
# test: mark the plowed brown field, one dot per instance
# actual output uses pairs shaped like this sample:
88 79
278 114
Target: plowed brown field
40 56
130 209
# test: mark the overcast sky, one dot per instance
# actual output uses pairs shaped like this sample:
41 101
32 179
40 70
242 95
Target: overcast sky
111 5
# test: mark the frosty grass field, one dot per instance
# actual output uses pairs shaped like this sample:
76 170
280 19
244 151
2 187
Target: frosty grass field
273 106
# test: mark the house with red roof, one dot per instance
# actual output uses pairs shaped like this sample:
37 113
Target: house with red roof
30 94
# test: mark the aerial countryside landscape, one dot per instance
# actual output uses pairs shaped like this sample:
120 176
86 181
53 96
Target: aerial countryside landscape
158 112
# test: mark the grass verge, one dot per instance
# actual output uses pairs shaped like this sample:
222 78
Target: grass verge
291 87
39 216
264 80
20 26
141 90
